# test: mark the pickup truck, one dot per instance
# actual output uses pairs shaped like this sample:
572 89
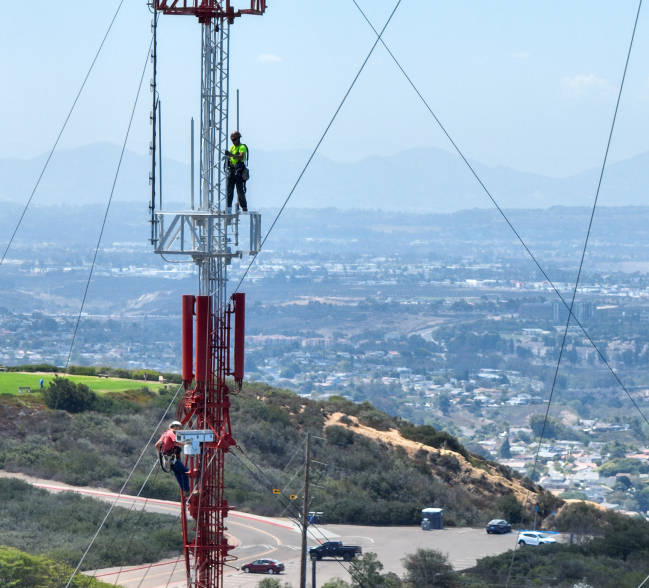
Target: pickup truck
335 549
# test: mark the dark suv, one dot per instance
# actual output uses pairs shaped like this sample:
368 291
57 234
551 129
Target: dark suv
263 566
498 526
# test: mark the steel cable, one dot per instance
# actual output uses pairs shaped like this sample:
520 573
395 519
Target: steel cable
121 490
110 199
581 262
529 252
509 223
58 137
139 518
261 477
315 149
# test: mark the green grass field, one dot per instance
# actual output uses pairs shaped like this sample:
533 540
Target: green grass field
11 381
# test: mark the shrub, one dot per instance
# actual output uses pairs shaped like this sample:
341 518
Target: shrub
371 417
429 567
18 568
62 394
339 436
448 462
628 465
58 526
272 583
37 367
429 436
510 509
82 370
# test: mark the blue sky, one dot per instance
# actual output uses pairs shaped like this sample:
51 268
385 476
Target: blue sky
529 85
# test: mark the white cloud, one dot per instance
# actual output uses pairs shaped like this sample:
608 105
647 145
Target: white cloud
582 84
268 58
522 55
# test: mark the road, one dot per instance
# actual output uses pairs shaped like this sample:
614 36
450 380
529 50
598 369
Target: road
279 538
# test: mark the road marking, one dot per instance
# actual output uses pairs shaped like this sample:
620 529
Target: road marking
349 538
137 569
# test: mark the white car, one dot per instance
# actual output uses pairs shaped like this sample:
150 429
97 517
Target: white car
534 538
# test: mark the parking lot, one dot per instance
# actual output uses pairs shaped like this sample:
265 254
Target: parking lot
463 546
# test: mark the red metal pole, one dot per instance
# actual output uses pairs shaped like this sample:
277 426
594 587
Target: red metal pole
202 337
187 336
239 300
207 406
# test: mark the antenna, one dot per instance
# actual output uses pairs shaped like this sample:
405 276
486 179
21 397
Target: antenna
192 165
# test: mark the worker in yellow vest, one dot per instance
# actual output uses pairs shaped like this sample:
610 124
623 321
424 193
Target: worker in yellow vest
237 171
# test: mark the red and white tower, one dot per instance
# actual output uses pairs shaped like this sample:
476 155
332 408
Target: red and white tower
212 323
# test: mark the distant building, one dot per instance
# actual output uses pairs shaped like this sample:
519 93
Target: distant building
582 310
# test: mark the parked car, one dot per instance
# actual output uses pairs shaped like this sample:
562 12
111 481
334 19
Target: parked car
534 538
264 566
335 549
498 526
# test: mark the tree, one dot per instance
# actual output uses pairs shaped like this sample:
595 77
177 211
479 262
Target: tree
642 498
615 450
547 503
534 471
443 403
391 580
64 394
505 449
429 567
510 509
366 571
580 518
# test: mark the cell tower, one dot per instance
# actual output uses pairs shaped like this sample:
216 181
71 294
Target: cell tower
207 234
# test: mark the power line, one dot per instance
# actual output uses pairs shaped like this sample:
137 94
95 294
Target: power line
58 137
315 149
110 199
264 481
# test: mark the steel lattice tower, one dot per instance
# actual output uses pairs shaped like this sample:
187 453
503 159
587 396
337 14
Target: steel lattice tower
208 235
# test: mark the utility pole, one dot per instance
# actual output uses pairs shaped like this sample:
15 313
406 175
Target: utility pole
305 510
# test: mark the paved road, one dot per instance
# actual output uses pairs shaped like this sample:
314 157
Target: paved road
257 537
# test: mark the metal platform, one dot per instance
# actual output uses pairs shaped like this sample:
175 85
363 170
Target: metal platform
206 234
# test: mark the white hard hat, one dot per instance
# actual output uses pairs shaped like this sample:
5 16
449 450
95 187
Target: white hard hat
175 424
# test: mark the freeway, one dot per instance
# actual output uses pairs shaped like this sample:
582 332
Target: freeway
279 538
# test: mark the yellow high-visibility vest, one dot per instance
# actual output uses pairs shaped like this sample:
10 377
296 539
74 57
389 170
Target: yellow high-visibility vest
238 149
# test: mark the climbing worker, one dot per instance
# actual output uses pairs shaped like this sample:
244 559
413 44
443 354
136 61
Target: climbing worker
238 173
168 445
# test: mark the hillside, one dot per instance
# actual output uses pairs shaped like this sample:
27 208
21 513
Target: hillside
478 477
375 469
369 468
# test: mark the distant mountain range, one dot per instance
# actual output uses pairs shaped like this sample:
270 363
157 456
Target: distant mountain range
418 180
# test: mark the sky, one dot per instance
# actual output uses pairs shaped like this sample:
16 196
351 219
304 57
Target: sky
523 84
